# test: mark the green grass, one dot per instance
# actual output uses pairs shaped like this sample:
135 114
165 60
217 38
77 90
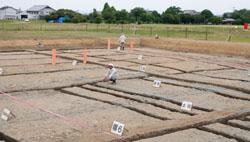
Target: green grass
42 30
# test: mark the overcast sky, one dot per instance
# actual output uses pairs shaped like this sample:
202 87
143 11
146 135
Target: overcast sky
218 7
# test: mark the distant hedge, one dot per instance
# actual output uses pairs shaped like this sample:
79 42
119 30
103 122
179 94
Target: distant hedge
172 15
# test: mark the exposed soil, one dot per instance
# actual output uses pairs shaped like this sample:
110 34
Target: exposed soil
66 102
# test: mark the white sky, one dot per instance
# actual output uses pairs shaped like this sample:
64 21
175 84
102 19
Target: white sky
218 7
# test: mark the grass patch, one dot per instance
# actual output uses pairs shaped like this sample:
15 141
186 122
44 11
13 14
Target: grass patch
42 30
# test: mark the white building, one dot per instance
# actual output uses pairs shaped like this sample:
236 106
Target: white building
8 12
191 12
36 12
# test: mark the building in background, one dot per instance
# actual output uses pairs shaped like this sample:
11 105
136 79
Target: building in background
191 12
8 13
36 12
228 21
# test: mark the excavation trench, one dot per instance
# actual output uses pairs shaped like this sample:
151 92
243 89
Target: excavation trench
237 125
174 78
138 100
52 71
117 104
198 60
5 138
221 134
168 77
204 89
202 82
154 97
32 64
79 84
37 72
196 123
242 80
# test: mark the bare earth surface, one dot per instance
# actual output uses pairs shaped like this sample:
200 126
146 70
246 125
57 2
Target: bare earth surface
66 102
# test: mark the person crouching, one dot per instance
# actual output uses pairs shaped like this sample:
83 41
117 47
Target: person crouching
111 75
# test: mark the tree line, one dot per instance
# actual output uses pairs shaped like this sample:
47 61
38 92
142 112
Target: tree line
172 15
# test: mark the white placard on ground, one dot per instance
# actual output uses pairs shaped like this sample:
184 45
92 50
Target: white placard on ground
1 71
140 57
157 83
186 105
6 111
74 62
142 68
4 117
117 128
118 48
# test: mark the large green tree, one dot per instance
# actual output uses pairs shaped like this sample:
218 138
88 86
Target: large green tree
137 14
70 16
206 14
95 17
242 16
156 17
109 13
172 15
122 17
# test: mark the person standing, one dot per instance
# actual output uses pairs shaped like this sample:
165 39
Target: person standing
122 41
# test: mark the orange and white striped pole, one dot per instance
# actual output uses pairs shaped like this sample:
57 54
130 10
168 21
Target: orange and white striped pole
85 56
109 44
53 56
131 45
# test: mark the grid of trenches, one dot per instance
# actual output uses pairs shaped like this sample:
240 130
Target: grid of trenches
69 102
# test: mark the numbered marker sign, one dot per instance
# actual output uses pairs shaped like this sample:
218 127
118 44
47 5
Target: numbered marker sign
186 105
117 128
142 68
74 62
6 111
118 48
1 71
140 57
157 83
4 117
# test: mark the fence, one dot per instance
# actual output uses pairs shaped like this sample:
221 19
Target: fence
201 32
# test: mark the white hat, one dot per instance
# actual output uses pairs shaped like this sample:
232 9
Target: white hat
110 64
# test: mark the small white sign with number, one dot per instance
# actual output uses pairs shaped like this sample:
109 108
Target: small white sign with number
186 105
118 48
4 117
6 111
74 62
117 128
140 57
142 68
157 83
1 71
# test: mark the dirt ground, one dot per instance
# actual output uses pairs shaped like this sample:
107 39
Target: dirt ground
66 102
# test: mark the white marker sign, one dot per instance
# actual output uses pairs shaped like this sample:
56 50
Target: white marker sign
140 57
6 114
6 111
186 105
1 71
118 48
74 62
142 68
117 128
157 83
4 117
